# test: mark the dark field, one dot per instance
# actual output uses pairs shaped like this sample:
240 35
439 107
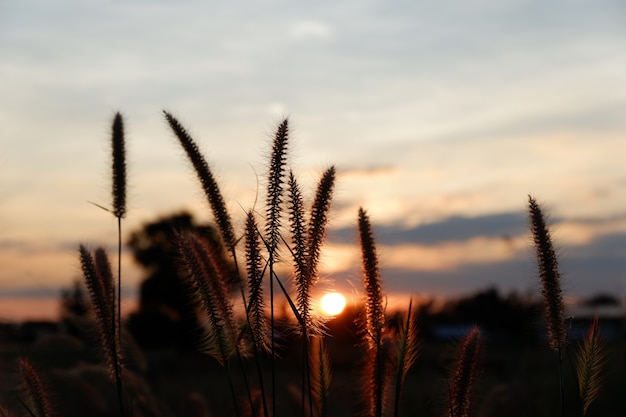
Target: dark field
517 378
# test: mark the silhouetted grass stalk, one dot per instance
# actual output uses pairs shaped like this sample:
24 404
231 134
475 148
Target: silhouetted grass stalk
274 197
218 208
255 311
374 316
99 280
302 280
36 389
464 374
209 286
551 287
207 180
590 362
119 211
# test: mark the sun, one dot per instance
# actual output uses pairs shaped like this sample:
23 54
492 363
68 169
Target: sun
333 303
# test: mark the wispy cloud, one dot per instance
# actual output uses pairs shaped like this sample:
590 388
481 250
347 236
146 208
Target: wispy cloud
311 29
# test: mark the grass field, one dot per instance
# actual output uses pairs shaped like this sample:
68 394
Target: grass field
254 359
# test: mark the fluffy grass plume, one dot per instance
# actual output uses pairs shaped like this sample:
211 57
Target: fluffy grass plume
276 178
209 185
464 374
374 307
99 280
119 166
319 219
307 240
209 286
275 183
300 252
373 373
256 302
550 277
39 395
590 362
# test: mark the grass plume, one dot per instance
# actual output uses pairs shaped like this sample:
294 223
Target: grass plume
374 308
207 180
300 254
36 388
119 166
319 219
550 287
464 374
374 372
254 266
590 362
550 277
276 174
99 281
209 287
276 178
118 157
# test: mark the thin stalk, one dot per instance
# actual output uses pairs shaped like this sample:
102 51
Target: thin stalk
374 312
464 375
272 336
118 328
276 176
561 382
256 271
118 154
551 287
408 349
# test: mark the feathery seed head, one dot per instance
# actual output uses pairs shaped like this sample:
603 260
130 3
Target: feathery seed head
590 363
319 218
36 388
374 314
209 185
256 304
99 281
119 167
465 373
550 277
303 279
278 161
208 282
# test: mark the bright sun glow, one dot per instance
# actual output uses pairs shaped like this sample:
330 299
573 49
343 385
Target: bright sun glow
333 303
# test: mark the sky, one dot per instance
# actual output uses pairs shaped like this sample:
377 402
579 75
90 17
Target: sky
441 118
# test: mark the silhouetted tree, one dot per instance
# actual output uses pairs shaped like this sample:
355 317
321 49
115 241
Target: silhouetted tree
600 300
165 317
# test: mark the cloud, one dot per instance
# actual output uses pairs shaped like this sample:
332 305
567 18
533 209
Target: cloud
463 254
311 29
452 229
367 170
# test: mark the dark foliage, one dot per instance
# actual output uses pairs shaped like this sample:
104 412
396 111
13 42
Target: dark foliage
165 317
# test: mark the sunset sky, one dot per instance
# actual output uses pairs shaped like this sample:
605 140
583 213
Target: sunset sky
440 118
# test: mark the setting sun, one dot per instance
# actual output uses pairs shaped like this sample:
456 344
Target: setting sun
333 303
